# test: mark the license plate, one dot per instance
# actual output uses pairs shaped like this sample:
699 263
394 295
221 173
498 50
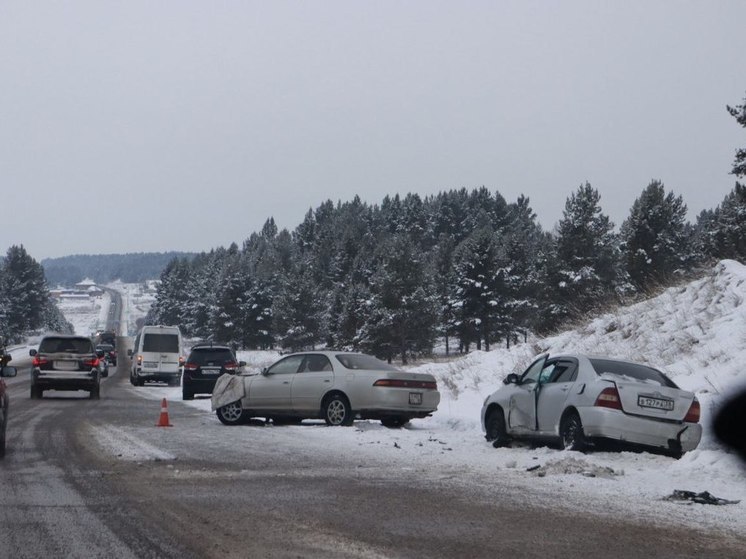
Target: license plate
655 403
415 398
66 365
210 371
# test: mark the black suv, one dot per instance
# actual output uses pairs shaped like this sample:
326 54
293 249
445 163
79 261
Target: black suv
66 363
206 362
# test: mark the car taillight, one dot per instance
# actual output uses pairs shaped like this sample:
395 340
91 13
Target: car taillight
190 366
38 361
609 398
400 383
692 416
91 362
230 366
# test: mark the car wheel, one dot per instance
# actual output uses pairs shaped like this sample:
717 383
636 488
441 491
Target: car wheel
495 428
186 394
2 443
337 410
230 414
174 382
394 422
36 392
95 393
572 434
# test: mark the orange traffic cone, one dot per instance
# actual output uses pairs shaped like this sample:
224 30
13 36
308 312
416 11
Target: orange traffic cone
163 419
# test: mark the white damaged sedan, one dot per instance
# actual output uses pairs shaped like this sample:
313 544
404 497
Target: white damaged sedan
581 401
336 386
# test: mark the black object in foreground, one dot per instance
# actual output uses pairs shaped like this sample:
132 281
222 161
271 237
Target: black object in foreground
730 424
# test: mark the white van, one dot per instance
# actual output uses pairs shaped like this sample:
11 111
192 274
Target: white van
157 355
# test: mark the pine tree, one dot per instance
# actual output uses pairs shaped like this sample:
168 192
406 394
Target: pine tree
25 292
654 237
402 311
587 254
739 163
478 288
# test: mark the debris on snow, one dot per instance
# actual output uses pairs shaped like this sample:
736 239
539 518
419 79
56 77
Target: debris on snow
703 498
574 466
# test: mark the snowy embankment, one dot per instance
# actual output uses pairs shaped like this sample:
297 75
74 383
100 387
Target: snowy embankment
695 333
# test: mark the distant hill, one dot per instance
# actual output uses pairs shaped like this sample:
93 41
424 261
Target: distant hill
104 268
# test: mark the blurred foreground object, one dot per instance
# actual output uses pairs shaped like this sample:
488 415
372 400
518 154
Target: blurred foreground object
730 424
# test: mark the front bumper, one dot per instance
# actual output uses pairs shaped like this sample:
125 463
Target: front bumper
616 425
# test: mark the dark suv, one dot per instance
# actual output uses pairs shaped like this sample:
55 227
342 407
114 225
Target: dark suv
66 363
206 362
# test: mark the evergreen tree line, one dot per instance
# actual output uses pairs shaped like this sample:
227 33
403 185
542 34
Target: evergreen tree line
463 266
105 268
25 304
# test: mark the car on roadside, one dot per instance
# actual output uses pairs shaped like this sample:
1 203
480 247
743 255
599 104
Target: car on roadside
5 372
66 362
335 386
205 363
582 402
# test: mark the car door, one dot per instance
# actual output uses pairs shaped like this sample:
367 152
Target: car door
555 385
522 403
313 379
271 390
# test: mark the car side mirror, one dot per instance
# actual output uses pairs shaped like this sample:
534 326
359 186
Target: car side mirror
242 363
32 352
512 378
265 371
9 371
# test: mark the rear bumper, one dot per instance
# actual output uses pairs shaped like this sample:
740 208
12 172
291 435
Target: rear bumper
394 402
199 385
613 424
157 375
73 380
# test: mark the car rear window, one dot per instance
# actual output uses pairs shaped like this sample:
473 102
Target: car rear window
632 371
203 356
164 343
364 362
66 345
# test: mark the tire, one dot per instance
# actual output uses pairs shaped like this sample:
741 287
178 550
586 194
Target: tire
571 431
186 394
95 392
336 410
174 382
394 422
230 414
495 428
2 443
36 392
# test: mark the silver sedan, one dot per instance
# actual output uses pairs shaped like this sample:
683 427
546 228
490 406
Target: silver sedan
336 386
579 401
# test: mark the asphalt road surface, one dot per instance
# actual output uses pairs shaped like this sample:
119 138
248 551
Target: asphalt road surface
63 494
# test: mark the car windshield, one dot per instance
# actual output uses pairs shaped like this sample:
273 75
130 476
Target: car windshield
166 343
211 355
65 345
364 362
632 372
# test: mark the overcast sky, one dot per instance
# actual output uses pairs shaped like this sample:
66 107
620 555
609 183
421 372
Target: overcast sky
150 126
